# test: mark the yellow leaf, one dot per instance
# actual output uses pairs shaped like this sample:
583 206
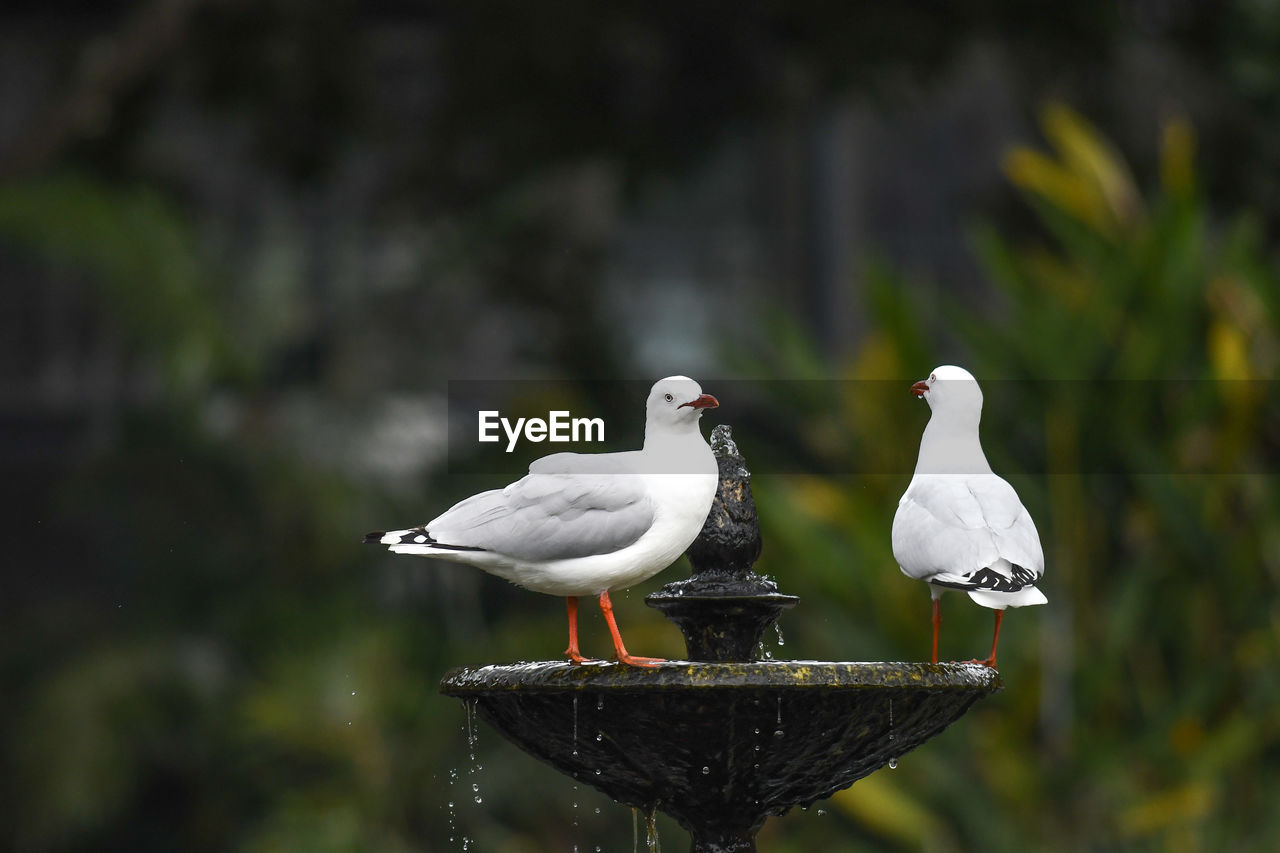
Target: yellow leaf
1168 808
1088 155
884 808
1228 351
1034 172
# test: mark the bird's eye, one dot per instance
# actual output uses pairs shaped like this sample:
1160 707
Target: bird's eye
933 377
668 397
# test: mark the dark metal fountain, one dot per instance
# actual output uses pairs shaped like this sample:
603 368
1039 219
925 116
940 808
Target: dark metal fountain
722 741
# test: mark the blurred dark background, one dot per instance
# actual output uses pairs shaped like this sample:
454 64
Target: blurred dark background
245 246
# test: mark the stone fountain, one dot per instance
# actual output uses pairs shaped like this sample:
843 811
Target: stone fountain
722 741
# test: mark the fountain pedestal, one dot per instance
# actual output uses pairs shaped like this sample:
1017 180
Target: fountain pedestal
722 741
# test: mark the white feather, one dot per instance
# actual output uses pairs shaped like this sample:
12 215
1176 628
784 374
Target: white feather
581 524
957 517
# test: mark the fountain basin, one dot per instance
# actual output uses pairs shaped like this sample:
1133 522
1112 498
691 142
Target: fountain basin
720 746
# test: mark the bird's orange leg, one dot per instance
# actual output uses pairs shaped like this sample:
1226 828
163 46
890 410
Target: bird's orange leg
937 623
991 661
606 607
574 655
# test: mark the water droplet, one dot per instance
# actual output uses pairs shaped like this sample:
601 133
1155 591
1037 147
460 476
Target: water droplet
475 786
600 704
893 764
353 693
451 804
706 770
757 731
598 771
479 799
779 733
778 628
597 812
599 736
822 811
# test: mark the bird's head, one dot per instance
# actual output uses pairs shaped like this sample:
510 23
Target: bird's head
950 389
677 401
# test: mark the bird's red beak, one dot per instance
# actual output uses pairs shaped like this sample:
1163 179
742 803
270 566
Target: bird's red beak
706 401
919 388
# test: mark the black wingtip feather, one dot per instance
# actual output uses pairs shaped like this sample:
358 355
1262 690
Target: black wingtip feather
992 581
374 538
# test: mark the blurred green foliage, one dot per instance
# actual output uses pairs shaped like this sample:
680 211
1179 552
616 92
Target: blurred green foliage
1157 660
142 258
239 674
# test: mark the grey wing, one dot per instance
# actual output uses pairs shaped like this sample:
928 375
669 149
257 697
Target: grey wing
948 528
1012 528
546 517
626 462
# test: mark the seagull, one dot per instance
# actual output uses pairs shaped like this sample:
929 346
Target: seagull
586 523
959 525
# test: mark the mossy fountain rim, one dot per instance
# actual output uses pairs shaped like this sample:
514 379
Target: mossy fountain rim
799 675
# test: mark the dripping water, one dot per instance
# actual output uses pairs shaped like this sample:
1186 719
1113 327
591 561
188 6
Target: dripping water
453 778
469 705
778 628
893 762
778 732
575 724
653 844
473 770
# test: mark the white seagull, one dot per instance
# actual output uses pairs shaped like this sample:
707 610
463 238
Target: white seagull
959 525
585 523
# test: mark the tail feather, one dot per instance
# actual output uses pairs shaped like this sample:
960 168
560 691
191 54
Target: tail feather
418 537
988 579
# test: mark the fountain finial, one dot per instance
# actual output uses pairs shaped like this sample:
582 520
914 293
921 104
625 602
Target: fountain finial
730 539
725 607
